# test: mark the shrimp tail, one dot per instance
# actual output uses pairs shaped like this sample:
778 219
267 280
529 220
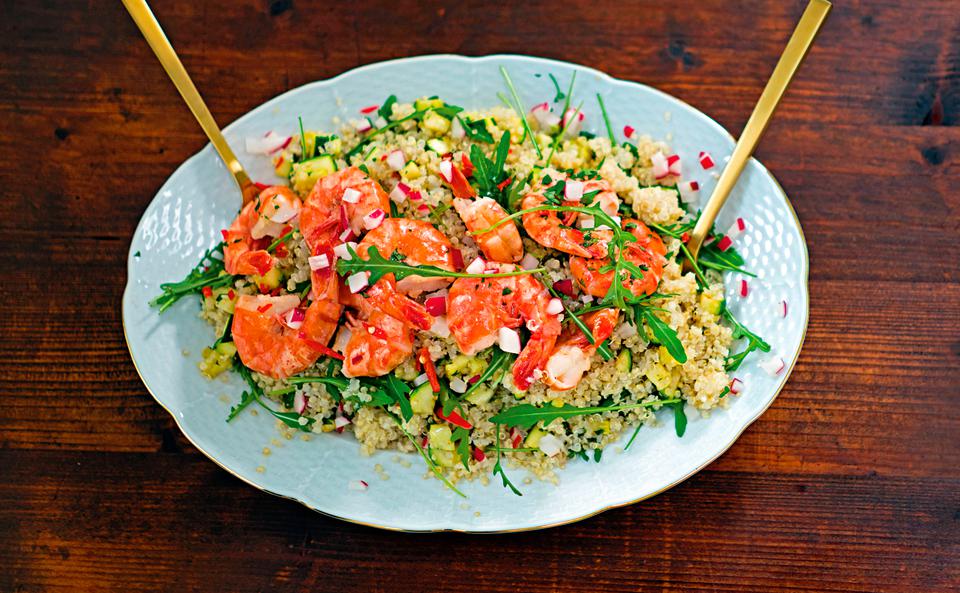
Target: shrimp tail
384 296
253 262
531 361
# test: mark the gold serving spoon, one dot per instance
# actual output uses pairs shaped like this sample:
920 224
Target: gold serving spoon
796 50
160 45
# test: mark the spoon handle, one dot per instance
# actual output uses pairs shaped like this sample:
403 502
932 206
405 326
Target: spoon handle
143 17
800 42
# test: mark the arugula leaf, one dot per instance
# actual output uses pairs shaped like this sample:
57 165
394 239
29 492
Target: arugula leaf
246 398
679 418
431 464
556 85
461 439
498 469
665 335
476 129
521 113
208 272
489 174
399 393
497 360
526 415
291 419
606 119
386 110
754 342
378 266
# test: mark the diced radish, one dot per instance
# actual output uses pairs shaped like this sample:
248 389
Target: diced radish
440 327
284 213
477 266
555 306
550 445
380 122
446 170
706 161
373 219
628 132
358 485
456 129
673 164
540 107
508 340
586 299
398 195
319 262
660 167
782 308
736 229
529 262
299 402
436 305
573 190
459 385
689 191
268 143
343 250
744 290
369 109
347 235
358 281
343 337
546 118
724 243
773 365
420 380
351 196
396 159
736 386
564 286
361 125
576 122
341 421
585 222
294 318
457 256
710 239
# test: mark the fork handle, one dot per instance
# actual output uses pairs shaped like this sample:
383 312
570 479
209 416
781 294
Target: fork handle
796 50
157 39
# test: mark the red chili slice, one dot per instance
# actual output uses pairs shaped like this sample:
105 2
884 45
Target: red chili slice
453 418
207 292
263 308
430 369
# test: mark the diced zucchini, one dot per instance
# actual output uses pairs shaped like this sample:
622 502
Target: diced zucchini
480 395
440 437
624 361
711 302
227 349
659 376
410 171
421 104
310 143
216 360
438 146
270 280
305 175
222 299
435 123
467 366
533 439
599 426
444 458
422 399
334 146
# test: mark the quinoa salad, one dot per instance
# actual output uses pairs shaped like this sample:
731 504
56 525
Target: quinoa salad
495 290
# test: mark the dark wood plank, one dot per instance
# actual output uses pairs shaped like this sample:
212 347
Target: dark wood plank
848 483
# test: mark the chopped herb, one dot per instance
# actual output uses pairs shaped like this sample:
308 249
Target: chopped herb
606 119
518 107
556 85
498 469
208 272
476 129
386 110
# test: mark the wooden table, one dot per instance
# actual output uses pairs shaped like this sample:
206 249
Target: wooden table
850 482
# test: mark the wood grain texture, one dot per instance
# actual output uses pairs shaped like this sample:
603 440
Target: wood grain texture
848 483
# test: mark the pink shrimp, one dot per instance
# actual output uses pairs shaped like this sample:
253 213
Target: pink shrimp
548 229
502 244
326 214
373 342
571 357
647 252
267 344
247 238
477 308
421 244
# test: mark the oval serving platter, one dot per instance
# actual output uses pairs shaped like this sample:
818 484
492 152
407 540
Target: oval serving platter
200 198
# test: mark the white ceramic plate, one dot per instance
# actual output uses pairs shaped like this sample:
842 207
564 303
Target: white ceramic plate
200 198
